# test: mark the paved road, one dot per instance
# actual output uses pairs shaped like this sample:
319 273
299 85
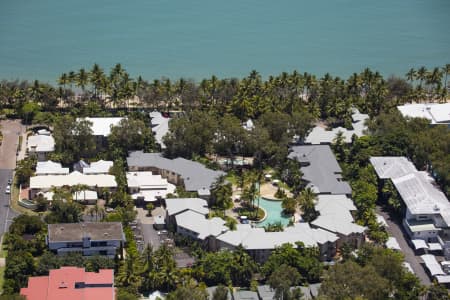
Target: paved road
11 131
395 229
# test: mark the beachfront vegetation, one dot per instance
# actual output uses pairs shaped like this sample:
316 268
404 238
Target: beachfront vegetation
283 108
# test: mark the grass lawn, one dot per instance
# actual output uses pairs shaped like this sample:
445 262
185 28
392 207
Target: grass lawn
15 201
2 279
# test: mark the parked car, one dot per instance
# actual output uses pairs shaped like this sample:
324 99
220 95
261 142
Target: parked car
8 189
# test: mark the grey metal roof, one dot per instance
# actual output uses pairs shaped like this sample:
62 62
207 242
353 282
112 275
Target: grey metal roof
195 175
320 169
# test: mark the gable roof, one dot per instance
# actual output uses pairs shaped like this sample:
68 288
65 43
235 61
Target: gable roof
195 175
320 169
198 224
98 167
176 205
421 195
253 238
320 135
50 167
436 113
41 143
74 178
335 215
71 283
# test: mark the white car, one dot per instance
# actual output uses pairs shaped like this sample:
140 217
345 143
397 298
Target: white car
8 189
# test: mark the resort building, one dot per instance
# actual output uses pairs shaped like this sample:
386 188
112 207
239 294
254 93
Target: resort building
50 168
194 176
144 186
160 127
335 215
321 135
44 183
98 167
320 169
71 283
259 244
85 196
175 206
309 292
196 226
427 215
435 113
102 126
103 238
41 144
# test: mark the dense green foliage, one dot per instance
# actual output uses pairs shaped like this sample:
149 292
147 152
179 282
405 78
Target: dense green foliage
382 268
304 260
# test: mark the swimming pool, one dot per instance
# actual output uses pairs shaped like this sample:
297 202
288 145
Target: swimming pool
274 213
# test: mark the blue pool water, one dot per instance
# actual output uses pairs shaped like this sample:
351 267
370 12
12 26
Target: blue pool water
199 38
274 213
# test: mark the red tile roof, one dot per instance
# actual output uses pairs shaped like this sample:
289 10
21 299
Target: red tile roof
60 284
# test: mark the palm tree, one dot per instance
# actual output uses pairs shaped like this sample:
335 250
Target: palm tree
306 201
422 74
411 75
82 79
62 81
95 77
446 71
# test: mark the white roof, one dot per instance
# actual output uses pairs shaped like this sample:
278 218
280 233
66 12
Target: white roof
85 195
74 178
320 135
146 181
177 205
419 244
392 166
160 127
102 126
392 243
335 214
50 168
421 195
98 167
197 223
258 238
41 143
434 246
443 278
432 265
154 195
436 113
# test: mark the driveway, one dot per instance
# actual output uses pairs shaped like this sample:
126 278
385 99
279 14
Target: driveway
395 229
145 222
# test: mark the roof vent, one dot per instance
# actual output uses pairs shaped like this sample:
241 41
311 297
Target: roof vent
436 208
105 234
62 285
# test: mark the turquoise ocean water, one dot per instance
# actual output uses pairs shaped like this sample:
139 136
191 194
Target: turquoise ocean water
198 38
